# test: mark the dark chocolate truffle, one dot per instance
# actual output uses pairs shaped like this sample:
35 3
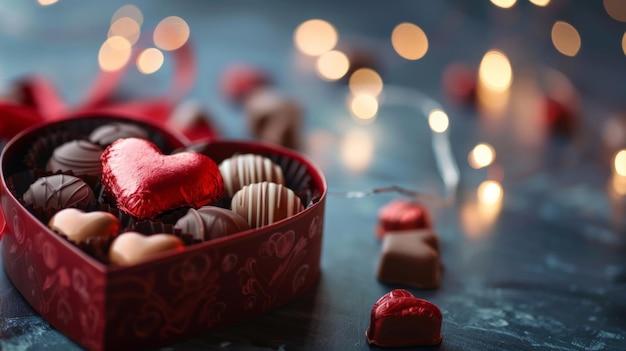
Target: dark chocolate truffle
410 258
108 133
241 170
265 203
210 222
79 156
273 118
57 192
401 319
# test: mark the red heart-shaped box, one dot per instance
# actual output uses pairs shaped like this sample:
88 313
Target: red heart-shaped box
172 296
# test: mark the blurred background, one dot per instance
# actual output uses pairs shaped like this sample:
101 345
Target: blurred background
522 99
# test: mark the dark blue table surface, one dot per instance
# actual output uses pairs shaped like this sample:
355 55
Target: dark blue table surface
546 271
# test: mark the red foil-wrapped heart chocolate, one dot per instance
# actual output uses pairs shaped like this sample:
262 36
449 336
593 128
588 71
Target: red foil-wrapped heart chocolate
401 319
145 183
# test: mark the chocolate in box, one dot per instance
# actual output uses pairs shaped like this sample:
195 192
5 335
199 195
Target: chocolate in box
175 295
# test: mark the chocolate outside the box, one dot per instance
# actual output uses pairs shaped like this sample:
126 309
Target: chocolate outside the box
399 319
401 214
410 258
273 118
107 308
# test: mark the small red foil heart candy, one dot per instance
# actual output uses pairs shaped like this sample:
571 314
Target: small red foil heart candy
400 319
145 183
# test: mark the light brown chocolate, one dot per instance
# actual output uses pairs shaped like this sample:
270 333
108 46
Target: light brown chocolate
265 203
131 248
78 226
410 257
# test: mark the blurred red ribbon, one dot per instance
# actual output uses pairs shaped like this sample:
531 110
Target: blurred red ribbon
37 101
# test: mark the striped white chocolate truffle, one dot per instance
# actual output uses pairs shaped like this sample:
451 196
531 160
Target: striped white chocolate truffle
265 203
241 170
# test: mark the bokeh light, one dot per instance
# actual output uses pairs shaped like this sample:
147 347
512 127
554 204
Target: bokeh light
495 71
125 27
505 4
357 149
565 38
130 11
47 2
438 121
114 53
332 65
365 81
624 43
616 9
489 192
409 41
364 106
618 184
540 3
150 60
619 162
171 33
482 155
315 37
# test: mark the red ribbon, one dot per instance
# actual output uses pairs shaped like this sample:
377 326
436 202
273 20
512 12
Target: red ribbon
41 102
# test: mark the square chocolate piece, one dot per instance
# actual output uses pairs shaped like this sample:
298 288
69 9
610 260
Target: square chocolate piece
410 258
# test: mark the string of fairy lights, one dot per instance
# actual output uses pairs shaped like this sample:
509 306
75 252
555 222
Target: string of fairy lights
318 38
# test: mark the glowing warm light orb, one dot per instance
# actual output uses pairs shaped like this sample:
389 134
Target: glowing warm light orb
438 121
505 4
171 33
620 163
332 65
616 9
409 41
130 11
47 2
482 155
540 3
365 81
315 37
495 71
114 53
150 60
565 38
357 149
364 106
125 27
624 43
489 192
619 184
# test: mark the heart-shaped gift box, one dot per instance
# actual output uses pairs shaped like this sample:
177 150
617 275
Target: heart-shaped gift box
173 295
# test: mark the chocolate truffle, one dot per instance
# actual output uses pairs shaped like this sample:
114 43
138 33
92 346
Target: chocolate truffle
241 170
79 156
79 226
400 215
108 133
273 118
57 192
410 258
131 248
210 222
400 319
265 203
